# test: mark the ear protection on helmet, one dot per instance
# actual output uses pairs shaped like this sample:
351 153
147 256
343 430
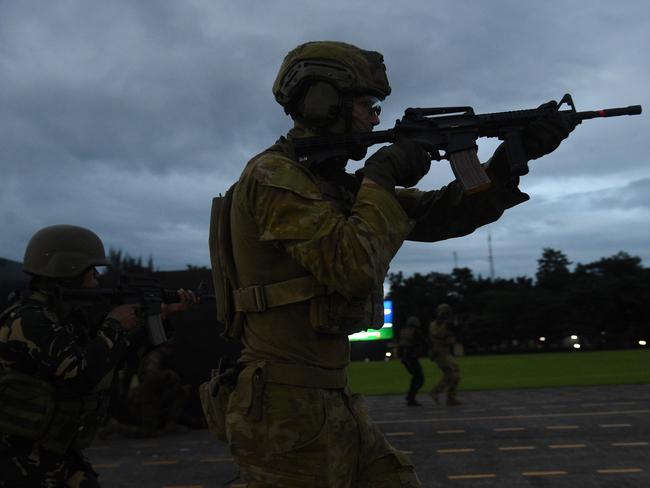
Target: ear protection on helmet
320 105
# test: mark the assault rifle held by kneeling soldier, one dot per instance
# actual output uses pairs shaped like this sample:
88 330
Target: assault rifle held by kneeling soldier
453 130
141 290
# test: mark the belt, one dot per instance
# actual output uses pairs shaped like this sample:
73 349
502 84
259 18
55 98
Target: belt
302 375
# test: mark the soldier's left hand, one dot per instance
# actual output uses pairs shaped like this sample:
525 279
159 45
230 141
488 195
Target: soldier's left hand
187 299
544 135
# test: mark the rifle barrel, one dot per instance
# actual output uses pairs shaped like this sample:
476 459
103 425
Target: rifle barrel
609 112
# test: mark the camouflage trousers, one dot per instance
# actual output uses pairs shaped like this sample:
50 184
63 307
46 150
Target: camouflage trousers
450 374
288 436
23 464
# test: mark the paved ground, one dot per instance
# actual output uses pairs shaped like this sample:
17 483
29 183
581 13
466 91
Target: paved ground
565 437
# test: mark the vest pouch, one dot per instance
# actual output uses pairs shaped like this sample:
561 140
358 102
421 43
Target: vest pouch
27 405
214 402
223 265
334 314
215 395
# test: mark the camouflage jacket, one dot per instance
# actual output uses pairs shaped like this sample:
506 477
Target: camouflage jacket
441 333
288 221
34 341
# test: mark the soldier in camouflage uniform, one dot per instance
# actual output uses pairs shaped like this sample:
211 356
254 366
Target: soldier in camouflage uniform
441 339
160 396
54 372
311 245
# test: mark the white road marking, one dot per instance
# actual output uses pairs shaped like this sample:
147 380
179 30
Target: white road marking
454 451
562 427
544 473
509 429
471 476
629 444
619 470
457 431
614 426
517 448
217 460
567 446
515 417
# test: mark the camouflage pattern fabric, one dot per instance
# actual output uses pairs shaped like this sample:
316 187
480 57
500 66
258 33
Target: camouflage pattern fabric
441 339
324 223
161 396
34 341
307 437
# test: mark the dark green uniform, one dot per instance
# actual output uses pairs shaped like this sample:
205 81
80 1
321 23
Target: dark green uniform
160 396
410 343
292 421
73 372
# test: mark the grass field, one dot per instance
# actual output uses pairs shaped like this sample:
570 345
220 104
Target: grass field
576 368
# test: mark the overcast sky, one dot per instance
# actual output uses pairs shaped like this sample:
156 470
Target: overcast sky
129 116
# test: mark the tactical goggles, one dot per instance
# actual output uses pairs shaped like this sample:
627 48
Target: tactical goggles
373 104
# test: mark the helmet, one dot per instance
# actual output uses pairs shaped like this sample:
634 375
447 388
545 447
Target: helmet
412 321
443 309
63 251
315 77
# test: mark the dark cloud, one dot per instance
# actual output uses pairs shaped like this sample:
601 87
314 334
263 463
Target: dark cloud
129 116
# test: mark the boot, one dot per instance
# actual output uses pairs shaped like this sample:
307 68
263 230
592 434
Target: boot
452 402
434 396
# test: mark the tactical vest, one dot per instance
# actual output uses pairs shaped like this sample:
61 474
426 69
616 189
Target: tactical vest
33 408
330 312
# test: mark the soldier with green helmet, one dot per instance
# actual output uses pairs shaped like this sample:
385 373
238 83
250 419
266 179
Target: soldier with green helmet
441 338
300 251
54 372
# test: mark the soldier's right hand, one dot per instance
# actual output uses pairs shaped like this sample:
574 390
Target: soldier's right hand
126 315
403 163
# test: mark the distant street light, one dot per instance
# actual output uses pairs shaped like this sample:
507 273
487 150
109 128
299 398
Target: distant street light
576 346
542 339
574 337
642 343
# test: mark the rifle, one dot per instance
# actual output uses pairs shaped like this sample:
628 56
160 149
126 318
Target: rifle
141 290
453 130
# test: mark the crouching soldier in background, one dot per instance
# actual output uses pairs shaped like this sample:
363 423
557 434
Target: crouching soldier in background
160 396
55 373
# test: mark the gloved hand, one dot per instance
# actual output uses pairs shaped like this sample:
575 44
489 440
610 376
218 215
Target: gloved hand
544 135
403 163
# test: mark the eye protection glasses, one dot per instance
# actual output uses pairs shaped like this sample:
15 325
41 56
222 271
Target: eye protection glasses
372 104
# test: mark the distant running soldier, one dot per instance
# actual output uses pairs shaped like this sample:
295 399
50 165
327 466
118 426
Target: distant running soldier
410 345
442 337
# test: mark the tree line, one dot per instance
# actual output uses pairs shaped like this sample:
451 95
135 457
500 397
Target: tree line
603 304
